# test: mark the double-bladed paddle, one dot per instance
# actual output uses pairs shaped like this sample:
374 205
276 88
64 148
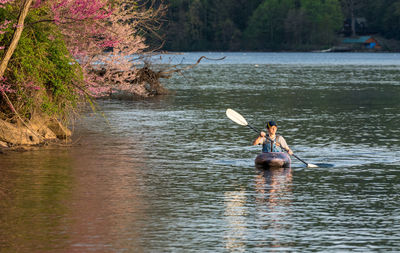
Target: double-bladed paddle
239 119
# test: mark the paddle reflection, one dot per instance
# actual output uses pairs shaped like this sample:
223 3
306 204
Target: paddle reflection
235 215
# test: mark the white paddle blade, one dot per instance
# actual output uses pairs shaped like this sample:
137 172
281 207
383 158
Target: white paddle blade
310 165
236 117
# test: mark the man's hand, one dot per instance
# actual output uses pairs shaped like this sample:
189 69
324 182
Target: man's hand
260 139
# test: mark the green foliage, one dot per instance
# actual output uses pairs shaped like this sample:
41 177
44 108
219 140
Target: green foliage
266 27
207 24
289 23
271 24
325 20
41 71
391 21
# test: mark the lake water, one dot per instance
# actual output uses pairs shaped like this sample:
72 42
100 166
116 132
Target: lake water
174 174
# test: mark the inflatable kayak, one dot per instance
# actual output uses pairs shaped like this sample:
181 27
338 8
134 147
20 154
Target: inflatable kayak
273 160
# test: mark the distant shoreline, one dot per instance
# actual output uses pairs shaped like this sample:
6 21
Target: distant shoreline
388 46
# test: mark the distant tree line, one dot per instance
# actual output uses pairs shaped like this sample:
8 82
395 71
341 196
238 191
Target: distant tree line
274 24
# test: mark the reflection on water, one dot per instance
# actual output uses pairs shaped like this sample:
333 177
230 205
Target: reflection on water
106 204
71 200
235 216
173 174
32 204
273 186
273 202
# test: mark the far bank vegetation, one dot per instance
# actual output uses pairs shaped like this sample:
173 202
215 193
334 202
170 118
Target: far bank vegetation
278 25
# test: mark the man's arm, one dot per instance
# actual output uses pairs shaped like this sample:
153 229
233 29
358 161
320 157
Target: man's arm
282 142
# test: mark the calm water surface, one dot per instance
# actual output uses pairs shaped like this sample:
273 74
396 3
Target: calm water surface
173 174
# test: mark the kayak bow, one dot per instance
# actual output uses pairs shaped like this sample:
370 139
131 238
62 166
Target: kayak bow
273 160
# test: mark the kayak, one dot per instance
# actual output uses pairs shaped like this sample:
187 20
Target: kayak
273 160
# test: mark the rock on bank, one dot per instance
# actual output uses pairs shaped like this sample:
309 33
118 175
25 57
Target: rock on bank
37 131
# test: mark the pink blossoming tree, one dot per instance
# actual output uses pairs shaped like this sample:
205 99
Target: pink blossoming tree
103 38
105 35
93 27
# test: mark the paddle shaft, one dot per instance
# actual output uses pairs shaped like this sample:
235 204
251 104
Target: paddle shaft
253 128
298 158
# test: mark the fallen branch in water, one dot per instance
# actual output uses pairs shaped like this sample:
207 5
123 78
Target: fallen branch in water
190 66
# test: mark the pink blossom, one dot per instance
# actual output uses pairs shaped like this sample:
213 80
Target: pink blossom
4 2
4 26
5 87
67 10
31 85
107 44
37 4
17 26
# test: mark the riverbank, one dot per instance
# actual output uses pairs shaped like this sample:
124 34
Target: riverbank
21 133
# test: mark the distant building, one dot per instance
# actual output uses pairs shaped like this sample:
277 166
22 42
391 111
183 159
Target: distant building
362 43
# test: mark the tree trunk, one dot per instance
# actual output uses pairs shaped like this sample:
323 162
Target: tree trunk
353 19
17 35
353 24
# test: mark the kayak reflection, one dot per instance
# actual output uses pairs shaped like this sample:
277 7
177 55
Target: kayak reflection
273 204
274 186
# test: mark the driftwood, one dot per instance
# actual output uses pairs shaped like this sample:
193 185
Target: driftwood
174 68
143 82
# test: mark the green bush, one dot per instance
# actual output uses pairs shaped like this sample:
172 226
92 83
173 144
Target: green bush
42 73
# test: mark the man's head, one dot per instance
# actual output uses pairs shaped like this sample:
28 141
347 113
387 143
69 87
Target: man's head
272 127
271 124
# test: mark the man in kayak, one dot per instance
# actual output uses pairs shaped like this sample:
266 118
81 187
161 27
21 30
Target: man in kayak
272 142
